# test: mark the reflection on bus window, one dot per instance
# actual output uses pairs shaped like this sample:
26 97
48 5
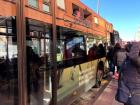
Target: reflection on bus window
75 47
70 46
38 42
60 50
77 51
8 62
101 50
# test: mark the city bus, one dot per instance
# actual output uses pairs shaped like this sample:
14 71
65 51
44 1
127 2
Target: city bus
75 72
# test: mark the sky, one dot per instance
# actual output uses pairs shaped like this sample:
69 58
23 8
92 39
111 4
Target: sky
123 14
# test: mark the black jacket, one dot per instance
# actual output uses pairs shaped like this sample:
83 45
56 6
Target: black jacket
131 74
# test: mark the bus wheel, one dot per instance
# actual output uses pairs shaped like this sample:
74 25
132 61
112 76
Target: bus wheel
99 78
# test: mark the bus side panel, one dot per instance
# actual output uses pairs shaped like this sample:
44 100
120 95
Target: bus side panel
88 75
75 80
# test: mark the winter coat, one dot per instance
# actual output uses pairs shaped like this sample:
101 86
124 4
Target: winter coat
110 54
129 83
119 57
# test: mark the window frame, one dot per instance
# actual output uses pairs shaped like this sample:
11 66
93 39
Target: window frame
47 3
61 5
96 20
33 5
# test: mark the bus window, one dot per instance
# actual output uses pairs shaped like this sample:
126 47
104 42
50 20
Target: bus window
70 46
8 59
77 51
38 43
60 50
91 48
101 52
75 47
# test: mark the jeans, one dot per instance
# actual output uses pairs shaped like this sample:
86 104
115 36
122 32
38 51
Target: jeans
111 66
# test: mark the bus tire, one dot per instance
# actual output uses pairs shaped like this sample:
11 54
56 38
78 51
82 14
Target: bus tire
99 78
100 73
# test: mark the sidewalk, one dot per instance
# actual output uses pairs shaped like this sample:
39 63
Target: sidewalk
91 95
108 95
105 95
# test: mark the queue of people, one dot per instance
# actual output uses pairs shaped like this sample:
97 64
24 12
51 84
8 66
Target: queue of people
96 52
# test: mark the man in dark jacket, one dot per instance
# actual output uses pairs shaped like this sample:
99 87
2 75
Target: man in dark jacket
119 57
130 77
